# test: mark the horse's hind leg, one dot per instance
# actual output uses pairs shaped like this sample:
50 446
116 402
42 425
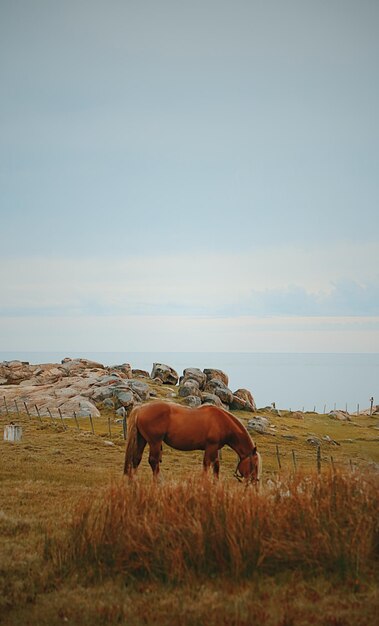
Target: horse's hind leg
155 457
141 444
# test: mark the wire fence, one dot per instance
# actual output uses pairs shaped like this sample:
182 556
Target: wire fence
283 458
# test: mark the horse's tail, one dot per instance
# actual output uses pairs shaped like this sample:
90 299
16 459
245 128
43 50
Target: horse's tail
131 444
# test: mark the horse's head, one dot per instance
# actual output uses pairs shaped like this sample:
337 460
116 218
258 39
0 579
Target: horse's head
249 467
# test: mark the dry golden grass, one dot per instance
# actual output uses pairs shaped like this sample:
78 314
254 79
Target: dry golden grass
57 565
201 528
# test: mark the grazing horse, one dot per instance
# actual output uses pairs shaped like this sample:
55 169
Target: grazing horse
207 428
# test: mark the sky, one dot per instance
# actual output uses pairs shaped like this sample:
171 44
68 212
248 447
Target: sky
189 176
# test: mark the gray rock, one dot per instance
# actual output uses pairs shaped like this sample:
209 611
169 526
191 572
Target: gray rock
217 387
141 390
258 424
314 441
165 373
210 398
108 379
108 404
82 407
189 388
330 440
125 398
341 416
192 401
101 393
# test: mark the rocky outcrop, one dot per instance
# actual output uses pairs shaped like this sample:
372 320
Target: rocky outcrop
165 373
83 386
75 385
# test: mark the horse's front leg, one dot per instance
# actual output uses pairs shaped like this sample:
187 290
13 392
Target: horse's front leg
155 457
211 458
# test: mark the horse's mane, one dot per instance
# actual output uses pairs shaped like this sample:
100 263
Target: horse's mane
235 420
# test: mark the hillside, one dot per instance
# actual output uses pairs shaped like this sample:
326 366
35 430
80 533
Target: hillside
58 467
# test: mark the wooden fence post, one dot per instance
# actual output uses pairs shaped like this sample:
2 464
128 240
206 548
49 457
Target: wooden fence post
16 405
278 457
319 459
294 460
61 416
6 406
49 412
92 428
27 410
333 466
76 421
38 413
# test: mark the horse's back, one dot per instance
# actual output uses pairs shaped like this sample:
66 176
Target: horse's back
181 427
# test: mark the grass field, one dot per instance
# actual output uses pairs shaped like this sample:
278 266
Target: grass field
80 545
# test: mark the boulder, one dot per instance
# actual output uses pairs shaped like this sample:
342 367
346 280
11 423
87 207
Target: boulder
140 373
124 370
217 387
258 424
140 390
239 404
102 393
108 379
192 401
124 398
314 441
341 416
189 388
108 403
245 394
13 372
82 407
165 373
297 415
213 374
210 398
193 373
76 365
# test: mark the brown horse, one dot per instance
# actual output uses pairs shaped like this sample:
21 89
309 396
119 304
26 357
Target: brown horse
207 428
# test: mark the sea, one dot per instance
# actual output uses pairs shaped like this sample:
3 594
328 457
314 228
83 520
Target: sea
295 381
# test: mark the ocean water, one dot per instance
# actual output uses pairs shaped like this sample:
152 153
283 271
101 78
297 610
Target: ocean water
293 381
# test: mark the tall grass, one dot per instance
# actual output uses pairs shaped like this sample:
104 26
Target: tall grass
179 530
